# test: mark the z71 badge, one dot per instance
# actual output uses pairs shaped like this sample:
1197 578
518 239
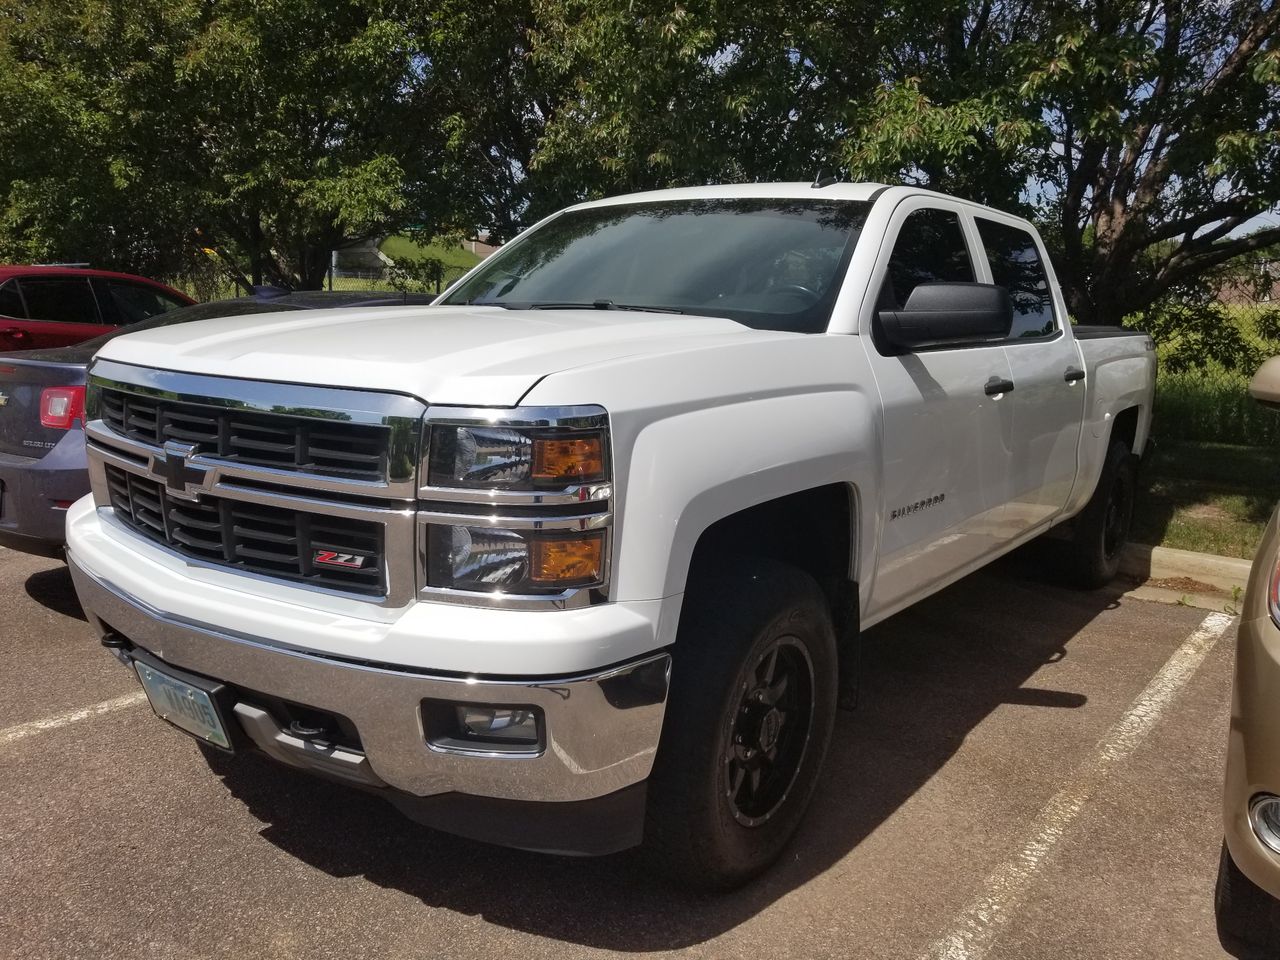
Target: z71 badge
333 559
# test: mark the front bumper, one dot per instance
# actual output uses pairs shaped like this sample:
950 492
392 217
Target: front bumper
1253 747
30 520
601 729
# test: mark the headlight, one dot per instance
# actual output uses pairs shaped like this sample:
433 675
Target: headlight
535 483
499 456
513 561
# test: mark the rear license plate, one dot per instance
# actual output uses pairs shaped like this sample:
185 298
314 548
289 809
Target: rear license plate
187 707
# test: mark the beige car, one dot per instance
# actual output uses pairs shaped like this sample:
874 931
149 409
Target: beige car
1248 897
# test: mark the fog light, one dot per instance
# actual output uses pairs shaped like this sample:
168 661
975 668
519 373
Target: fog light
498 724
1264 816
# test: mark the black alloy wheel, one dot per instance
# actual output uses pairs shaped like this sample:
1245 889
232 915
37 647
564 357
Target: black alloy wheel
770 732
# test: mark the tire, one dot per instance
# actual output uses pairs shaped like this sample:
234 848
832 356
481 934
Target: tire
1102 529
1246 914
749 718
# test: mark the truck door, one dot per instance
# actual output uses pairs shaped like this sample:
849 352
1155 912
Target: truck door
947 433
1048 377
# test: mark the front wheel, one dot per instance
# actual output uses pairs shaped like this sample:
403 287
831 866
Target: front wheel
1102 528
1245 912
749 718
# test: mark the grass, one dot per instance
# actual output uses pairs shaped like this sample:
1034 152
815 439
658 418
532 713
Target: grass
1212 405
1208 497
456 259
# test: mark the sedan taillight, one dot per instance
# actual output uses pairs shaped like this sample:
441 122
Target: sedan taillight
61 407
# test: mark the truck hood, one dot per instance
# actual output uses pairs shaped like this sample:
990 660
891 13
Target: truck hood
485 356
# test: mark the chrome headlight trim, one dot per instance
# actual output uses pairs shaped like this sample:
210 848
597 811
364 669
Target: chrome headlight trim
582 506
582 417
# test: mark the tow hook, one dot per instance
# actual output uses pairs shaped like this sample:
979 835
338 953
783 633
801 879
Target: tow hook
307 732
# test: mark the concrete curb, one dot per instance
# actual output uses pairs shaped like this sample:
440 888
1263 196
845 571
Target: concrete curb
1161 563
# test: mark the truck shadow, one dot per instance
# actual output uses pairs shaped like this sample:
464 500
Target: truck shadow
931 674
53 590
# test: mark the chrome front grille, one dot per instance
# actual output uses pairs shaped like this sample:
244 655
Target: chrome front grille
271 541
323 447
313 486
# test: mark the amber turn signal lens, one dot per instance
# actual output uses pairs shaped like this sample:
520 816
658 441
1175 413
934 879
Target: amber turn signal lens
570 458
566 562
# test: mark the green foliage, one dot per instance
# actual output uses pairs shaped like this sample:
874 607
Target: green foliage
1147 130
144 130
1142 134
454 256
1212 404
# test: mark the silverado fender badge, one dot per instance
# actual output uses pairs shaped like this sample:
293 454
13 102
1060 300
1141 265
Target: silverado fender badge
333 559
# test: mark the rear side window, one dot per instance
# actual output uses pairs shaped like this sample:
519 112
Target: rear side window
930 249
1016 266
11 301
62 301
134 302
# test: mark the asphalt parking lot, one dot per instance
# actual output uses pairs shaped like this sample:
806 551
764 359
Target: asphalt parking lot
1032 773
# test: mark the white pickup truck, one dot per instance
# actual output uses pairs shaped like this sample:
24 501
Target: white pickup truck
576 559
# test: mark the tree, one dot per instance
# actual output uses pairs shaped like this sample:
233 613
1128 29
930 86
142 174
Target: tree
279 130
666 94
1143 134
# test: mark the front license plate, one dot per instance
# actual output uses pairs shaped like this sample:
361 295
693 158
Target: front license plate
186 707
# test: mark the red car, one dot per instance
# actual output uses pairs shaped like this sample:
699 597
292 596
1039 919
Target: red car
60 306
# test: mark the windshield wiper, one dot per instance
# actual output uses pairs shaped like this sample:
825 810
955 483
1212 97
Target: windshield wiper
491 303
599 305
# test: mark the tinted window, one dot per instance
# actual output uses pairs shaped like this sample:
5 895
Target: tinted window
1016 266
768 263
64 301
10 301
930 249
135 302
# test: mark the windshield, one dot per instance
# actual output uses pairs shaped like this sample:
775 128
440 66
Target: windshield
768 263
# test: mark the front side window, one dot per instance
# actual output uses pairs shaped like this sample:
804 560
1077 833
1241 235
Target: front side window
62 301
11 301
1016 266
774 264
930 249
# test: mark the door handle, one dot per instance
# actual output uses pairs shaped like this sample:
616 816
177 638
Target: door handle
996 386
16 332
1072 375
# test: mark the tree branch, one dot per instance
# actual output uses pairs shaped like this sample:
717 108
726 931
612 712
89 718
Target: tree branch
1183 266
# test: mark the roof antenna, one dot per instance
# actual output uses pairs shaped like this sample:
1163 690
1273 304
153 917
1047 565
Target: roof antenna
823 180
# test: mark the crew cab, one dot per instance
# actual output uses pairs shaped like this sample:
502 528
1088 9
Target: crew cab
577 558
50 306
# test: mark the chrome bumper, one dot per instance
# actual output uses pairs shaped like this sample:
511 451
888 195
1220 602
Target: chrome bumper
601 730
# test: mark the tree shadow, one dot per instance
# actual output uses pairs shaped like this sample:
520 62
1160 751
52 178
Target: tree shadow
53 590
930 675
1206 485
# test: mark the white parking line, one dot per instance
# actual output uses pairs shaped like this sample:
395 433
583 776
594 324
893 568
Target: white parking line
975 928
13 734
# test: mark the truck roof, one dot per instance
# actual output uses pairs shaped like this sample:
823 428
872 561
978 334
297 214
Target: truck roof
728 191
866 192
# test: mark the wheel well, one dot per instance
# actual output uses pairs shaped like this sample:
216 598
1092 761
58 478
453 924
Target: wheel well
1124 427
812 530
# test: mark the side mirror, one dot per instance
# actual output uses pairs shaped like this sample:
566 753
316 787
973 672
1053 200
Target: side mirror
949 314
1265 385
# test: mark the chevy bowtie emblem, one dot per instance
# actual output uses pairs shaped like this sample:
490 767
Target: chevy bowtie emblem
180 478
